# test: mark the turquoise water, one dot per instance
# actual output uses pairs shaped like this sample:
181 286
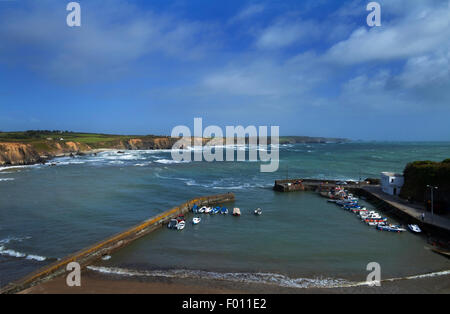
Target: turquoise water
47 212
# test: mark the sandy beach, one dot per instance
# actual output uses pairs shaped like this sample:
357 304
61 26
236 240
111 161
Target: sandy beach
95 283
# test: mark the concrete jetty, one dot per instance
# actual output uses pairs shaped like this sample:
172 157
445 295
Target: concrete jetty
292 185
89 255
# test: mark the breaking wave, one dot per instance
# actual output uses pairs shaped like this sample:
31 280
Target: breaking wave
12 253
171 161
6 179
256 278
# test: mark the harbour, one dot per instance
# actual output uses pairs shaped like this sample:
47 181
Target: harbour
299 243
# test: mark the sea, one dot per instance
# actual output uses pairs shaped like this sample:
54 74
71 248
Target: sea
301 241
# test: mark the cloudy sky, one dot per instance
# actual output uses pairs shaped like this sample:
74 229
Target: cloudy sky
312 67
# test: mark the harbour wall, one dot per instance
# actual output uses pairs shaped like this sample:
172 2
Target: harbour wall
89 255
403 212
385 206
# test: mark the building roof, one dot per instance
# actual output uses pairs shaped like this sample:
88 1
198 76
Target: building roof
392 174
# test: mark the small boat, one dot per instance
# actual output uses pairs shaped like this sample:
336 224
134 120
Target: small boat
214 211
224 211
414 228
180 218
376 223
258 211
196 220
173 223
195 209
359 210
202 210
390 228
207 210
381 219
181 225
370 214
236 211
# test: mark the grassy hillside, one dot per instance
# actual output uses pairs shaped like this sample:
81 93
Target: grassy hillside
44 140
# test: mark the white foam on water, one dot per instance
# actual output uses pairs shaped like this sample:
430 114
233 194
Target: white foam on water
10 239
12 253
16 167
143 164
6 179
36 257
170 161
258 278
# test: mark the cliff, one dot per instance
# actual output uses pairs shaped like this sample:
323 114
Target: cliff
35 146
37 152
18 154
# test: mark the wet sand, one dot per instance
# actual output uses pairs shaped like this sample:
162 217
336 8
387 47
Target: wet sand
95 283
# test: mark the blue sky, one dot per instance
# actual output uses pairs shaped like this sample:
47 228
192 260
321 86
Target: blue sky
312 67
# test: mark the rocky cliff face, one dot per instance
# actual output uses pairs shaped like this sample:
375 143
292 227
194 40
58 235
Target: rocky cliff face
22 154
18 154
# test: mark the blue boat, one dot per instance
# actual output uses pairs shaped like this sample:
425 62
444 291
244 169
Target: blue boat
214 211
195 209
224 211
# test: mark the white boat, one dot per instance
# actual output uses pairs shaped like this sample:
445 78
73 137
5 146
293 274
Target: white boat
391 228
181 225
414 228
207 210
196 220
258 211
202 210
376 223
371 213
236 211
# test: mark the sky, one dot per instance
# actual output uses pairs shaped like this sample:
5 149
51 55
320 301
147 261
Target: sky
311 67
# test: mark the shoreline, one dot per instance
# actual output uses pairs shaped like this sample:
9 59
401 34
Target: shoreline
96 283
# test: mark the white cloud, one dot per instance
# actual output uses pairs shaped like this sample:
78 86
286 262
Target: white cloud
409 37
111 40
248 12
284 33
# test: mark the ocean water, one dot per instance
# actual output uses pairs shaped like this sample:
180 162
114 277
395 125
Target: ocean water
300 241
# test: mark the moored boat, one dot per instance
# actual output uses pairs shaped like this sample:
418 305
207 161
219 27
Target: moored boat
414 228
196 220
391 228
258 211
172 224
236 211
181 225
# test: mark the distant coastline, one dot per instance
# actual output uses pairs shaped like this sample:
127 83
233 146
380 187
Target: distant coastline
34 147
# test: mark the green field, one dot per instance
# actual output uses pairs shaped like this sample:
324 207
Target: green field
42 140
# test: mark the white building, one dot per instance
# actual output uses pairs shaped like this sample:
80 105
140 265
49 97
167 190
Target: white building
391 183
